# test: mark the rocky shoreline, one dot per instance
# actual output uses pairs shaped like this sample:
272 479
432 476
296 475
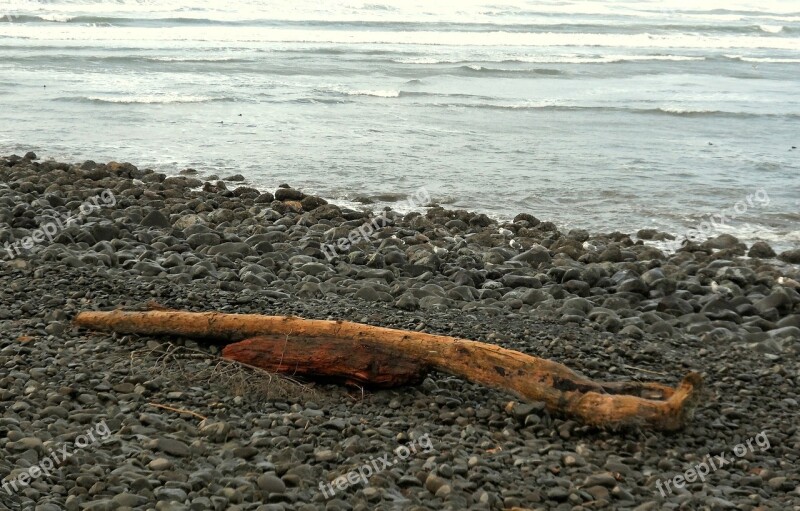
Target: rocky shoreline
608 305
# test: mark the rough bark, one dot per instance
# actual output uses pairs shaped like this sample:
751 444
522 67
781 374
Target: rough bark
329 358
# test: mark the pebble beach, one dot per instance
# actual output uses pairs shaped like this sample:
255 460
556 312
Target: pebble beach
613 306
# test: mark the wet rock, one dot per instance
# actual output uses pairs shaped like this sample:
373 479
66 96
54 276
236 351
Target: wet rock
762 250
790 256
653 234
289 194
725 241
535 255
156 219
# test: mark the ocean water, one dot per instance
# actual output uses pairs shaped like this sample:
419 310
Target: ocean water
599 115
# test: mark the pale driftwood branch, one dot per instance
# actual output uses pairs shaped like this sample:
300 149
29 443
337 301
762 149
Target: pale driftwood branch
386 357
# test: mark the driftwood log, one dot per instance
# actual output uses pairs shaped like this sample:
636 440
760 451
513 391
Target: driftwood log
385 357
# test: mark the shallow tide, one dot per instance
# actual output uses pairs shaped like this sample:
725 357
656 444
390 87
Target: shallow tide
641 114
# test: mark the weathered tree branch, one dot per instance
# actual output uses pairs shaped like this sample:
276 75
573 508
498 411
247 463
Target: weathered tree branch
387 357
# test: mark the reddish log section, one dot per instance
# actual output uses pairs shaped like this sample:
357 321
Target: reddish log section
386 357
